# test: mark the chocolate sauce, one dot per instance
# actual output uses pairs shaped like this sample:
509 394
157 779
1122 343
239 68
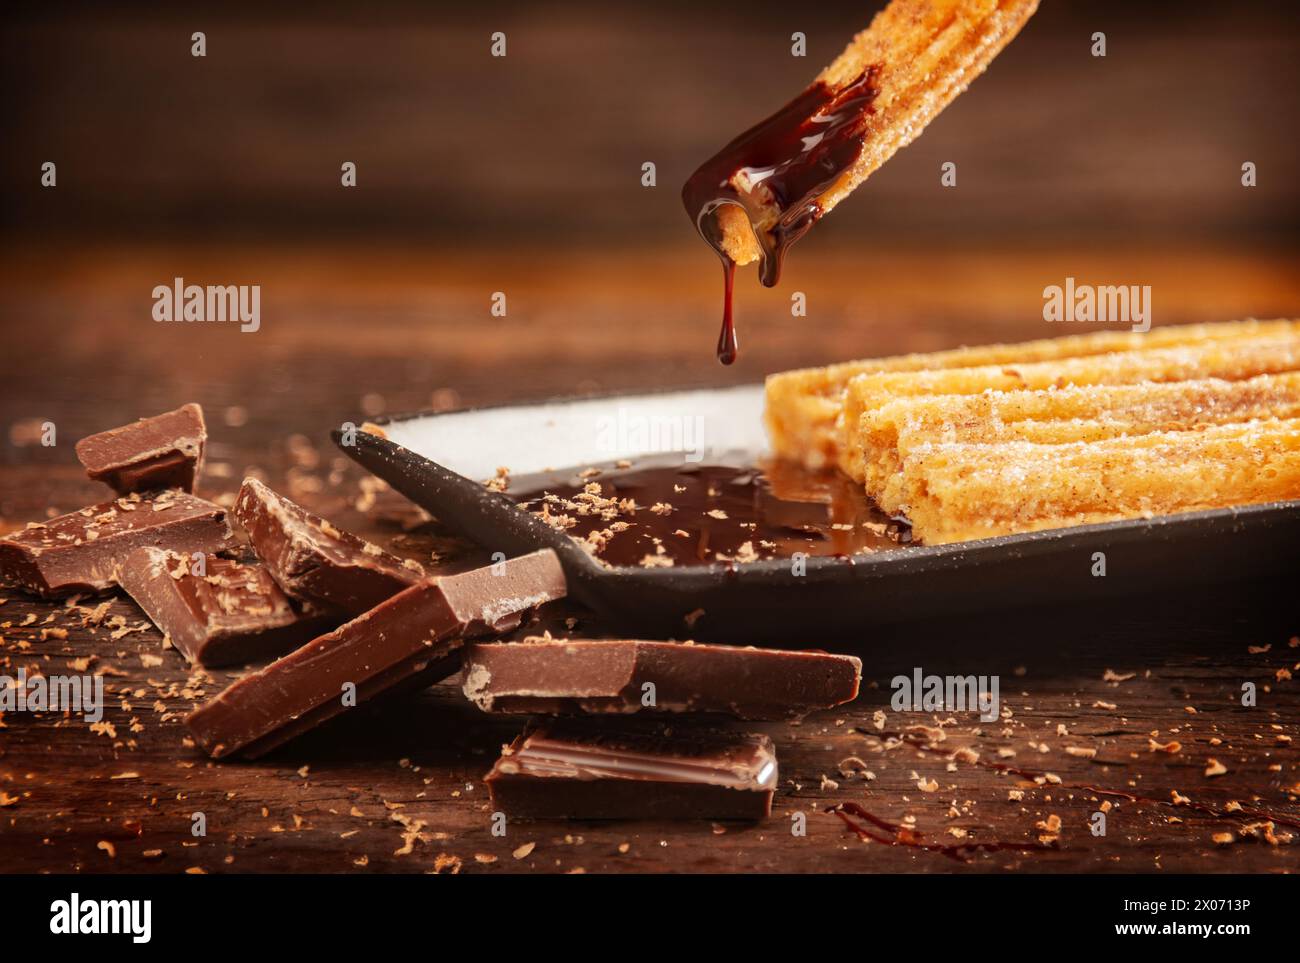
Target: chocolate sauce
660 511
906 836
785 163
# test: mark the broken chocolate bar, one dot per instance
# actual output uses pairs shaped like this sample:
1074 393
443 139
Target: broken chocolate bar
408 640
165 451
575 769
80 551
313 560
223 612
563 676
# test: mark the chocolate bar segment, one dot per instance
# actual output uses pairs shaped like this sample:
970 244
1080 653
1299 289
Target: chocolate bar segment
80 551
165 451
313 560
411 639
224 613
578 769
566 676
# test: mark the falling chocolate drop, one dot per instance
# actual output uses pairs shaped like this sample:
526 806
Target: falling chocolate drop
728 346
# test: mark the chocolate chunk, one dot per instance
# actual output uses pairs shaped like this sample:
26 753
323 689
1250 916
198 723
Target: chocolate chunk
165 451
313 560
577 769
232 612
561 676
408 640
80 551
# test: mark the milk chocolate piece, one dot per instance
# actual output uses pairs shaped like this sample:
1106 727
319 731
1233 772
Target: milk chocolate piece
584 769
411 639
165 451
313 560
231 613
564 676
80 551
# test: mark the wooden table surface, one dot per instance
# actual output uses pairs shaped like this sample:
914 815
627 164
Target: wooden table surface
399 788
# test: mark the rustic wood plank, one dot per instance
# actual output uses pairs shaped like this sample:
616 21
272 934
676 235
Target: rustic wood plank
334 800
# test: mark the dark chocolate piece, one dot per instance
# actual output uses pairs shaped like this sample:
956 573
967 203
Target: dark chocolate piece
231 613
577 769
80 551
313 560
791 159
165 451
411 639
565 676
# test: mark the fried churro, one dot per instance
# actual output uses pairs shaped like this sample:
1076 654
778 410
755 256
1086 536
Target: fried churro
961 491
890 433
1015 438
1229 360
803 405
766 188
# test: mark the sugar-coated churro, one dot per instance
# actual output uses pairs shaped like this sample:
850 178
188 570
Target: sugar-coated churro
802 405
1016 438
888 434
956 492
1231 360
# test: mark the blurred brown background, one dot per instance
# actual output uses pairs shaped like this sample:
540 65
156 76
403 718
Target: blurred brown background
522 175
545 145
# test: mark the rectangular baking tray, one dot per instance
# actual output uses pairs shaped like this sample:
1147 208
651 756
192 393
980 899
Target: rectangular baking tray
440 460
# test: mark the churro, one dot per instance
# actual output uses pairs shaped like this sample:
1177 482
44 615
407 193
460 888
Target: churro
1015 438
888 434
766 188
961 491
803 405
1230 360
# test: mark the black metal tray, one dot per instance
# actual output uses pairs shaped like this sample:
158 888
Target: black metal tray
439 461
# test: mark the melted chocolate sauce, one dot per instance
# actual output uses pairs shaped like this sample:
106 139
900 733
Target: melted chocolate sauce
659 511
906 836
785 164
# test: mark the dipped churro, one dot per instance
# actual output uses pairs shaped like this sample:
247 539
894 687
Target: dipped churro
767 187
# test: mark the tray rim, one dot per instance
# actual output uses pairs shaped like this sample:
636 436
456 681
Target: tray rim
400 416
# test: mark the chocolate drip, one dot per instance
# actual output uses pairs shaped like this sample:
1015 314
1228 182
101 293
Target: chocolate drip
786 162
728 346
